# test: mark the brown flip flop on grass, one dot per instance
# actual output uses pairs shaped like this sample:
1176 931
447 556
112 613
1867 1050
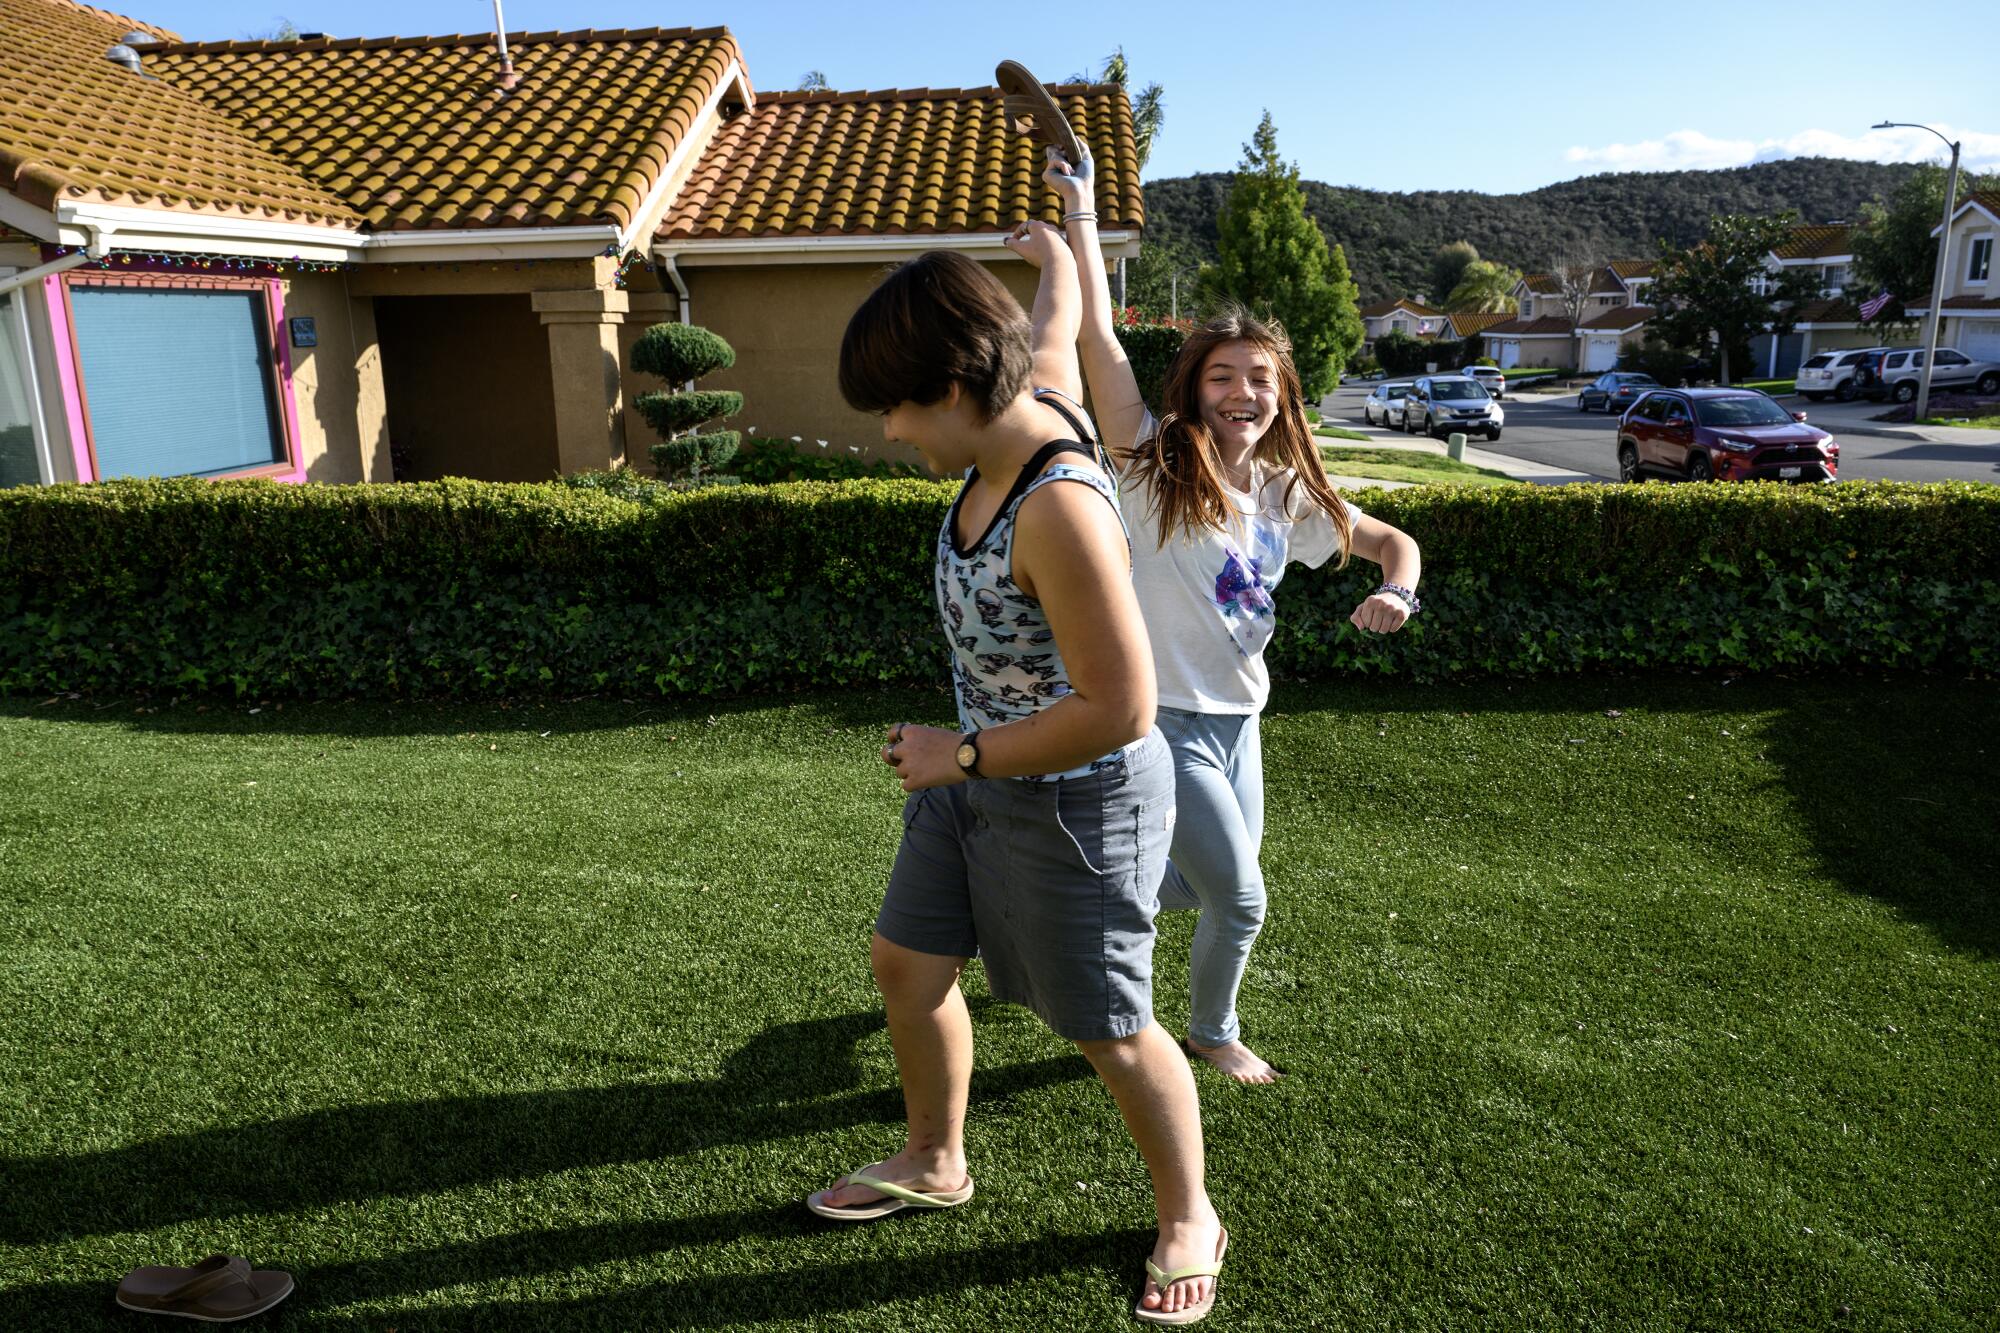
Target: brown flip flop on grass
219 1290
1031 111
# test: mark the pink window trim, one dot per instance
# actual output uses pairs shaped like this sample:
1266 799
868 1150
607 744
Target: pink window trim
70 377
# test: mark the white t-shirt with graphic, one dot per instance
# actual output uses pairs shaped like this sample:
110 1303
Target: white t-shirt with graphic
1207 600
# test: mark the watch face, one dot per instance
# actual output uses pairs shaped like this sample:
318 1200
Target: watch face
968 755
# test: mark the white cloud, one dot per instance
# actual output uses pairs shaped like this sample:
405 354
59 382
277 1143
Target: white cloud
1687 150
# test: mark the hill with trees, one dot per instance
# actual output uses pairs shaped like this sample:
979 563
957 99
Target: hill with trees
1392 239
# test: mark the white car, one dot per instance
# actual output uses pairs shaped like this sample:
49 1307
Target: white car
1384 406
1489 379
1832 373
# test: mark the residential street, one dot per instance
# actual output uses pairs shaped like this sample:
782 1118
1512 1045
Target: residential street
1550 432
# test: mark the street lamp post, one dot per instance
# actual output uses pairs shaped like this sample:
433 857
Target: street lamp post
1943 263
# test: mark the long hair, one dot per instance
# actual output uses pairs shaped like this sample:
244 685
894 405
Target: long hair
1180 462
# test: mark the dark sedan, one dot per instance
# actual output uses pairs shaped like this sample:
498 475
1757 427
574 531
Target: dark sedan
1614 391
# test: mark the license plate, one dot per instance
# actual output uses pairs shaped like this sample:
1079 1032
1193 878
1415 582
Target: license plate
1791 471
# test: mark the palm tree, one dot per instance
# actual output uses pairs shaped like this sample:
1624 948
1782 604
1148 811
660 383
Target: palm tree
1149 108
1485 288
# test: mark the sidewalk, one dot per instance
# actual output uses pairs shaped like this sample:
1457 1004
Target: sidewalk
1853 419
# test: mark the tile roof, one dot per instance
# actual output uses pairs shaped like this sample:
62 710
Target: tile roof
1542 284
1829 310
1971 303
75 126
1381 308
124 23
414 133
1834 239
1543 326
903 161
1464 325
1618 319
1634 268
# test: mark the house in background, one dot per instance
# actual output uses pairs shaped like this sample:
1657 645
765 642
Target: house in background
305 259
1402 315
1831 320
1969 317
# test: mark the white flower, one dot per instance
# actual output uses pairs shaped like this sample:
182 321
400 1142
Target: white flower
822 444
798 439
753 430
853 448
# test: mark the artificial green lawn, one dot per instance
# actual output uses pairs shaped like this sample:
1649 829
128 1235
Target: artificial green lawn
547 1016
1420 466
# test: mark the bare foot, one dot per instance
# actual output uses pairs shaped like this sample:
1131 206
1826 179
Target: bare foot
926 1173
1236 1060
1181 1245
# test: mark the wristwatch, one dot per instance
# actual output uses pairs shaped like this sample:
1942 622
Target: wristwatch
968 754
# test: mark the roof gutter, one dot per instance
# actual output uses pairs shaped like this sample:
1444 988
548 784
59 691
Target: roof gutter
95 248
700 251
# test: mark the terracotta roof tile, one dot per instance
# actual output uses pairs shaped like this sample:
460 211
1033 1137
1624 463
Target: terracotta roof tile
1971 303
73 125
1544 326
1381 308
1818 242
1618 319
413 132
913 161
123 23
1465 325
1542 284
1634 268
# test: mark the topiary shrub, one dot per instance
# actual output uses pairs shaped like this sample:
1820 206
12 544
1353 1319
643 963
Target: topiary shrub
682 354
1150 345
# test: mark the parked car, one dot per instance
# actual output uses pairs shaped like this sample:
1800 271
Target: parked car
1826 373
1897 373
1440 404
1721 435
1614 390
1489 378
1384 404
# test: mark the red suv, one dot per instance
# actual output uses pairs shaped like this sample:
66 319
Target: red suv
1721 435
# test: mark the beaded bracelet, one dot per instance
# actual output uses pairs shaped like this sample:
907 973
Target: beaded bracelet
1398 590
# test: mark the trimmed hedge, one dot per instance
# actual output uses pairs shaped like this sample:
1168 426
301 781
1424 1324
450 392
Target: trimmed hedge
468 588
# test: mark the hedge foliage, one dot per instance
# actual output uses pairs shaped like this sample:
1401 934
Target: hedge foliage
468 588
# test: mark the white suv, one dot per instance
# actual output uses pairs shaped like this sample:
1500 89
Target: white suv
1901 372
1832 373
1489 379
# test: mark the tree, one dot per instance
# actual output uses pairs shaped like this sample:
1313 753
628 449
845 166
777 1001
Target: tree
1149 105
1894 250
1705 294
1575 273
284 30
814 82
1161 282
1485 289
1448 267
680 354
1272 257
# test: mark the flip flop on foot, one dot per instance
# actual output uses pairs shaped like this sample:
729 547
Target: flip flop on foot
1236 1060
219 1290
1187 1314
1032 111
897 1197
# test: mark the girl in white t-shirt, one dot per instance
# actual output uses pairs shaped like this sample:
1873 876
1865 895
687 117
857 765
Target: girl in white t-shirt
1220 495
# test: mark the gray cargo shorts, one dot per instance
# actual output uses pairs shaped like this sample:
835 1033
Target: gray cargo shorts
1053 884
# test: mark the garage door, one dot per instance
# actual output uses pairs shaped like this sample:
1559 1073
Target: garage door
1980 344
1600 353
1510 355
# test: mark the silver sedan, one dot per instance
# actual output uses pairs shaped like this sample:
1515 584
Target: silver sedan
1384 406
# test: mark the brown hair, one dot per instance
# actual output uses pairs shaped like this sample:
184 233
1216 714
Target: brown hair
1179 462
939 320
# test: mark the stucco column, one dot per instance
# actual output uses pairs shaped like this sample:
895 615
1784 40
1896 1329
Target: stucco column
644 309
584 364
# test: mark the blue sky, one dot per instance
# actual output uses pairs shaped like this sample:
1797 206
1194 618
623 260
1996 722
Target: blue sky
1391 96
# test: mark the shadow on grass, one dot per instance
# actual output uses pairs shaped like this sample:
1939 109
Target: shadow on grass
796 1079
708 1300
362 719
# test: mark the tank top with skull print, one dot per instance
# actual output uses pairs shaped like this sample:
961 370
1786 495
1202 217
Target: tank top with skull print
1004 662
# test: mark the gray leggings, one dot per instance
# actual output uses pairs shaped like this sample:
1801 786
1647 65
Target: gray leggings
1212 866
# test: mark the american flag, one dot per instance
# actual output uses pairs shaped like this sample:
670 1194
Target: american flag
1873 305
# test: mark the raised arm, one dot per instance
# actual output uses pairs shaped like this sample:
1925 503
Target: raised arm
1052 339
1114 391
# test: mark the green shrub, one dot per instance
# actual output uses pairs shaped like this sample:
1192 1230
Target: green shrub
765 460
467 588
1151 347
678 353
681 354
1487 361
